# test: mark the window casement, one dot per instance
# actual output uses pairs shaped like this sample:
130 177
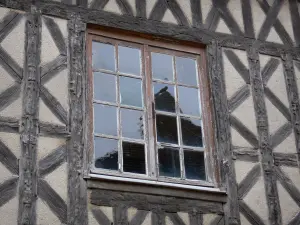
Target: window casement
149 109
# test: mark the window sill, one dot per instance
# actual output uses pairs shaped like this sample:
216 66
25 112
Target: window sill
97 181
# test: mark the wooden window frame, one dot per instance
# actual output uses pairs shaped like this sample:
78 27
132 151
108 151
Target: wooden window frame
169 45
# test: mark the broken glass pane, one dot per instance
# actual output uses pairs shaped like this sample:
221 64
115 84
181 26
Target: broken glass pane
129 60
103 56
194 165
131 91
106 153
169 164
186 71
105 119
162 66
191 132
132 123
134 158
166 128
105 87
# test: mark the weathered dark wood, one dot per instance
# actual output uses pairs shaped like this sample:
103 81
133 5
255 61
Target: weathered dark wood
151 202
267 161
52 161
251 216
219 220
10 65
195 218
295 220
158 218
48 129
120 214
139 217
295 15
141 8
176 219
249 181
53 200
285 159
248 19
53 68
269 69
280 135
56 34
158 11
177 12
293 97
8 159
244 131
54 105
238 98
8 190
29 122
238 65
9 95
288 184
98 4
125 7
8 23
82 3
277 103
196 13
77 191
10 125
244 154
101 217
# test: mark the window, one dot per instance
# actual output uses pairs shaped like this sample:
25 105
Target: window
149 108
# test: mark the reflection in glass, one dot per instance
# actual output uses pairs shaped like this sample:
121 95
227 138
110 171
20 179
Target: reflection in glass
106 153
186 71
131 91
103 56
188 101
191 132
166 128
134 158
162 66
132 123
169 164
105 119
164 97
129 60
105 87
194 165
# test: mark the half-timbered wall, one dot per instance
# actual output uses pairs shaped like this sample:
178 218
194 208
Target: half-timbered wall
253 52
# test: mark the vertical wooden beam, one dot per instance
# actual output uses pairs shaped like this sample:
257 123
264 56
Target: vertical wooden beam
29 121
267 159
293 97
247 17
140 6
222 128
77 191
196 13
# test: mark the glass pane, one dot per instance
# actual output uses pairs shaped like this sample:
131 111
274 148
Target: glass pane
162 66
169 164
132 123
103 56
194 165
131 91
191 132
106 153
164 97
188 101
129 60
186 71
166 128
105 87
134 158
105 119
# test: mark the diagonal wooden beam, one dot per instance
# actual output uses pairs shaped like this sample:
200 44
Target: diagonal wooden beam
8 159
53 200
139 217
8 124
52 161
277 103
98 4
213 17
101 217
247 18
269 69
244 131
8 190
9 22
295 220
238 65
219 220
56 35
54 105
158 10
288 184
249 181
238 97
125 7
281 134
53 68
250 215
9 64
175 219
9 95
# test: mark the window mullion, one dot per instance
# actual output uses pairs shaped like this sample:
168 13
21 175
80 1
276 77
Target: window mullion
149 100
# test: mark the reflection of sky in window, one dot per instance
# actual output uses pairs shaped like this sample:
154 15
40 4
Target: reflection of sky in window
105 119
132 123
186 71
162 66
105 87
103 56
104 147
131 91
189 101
129 60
